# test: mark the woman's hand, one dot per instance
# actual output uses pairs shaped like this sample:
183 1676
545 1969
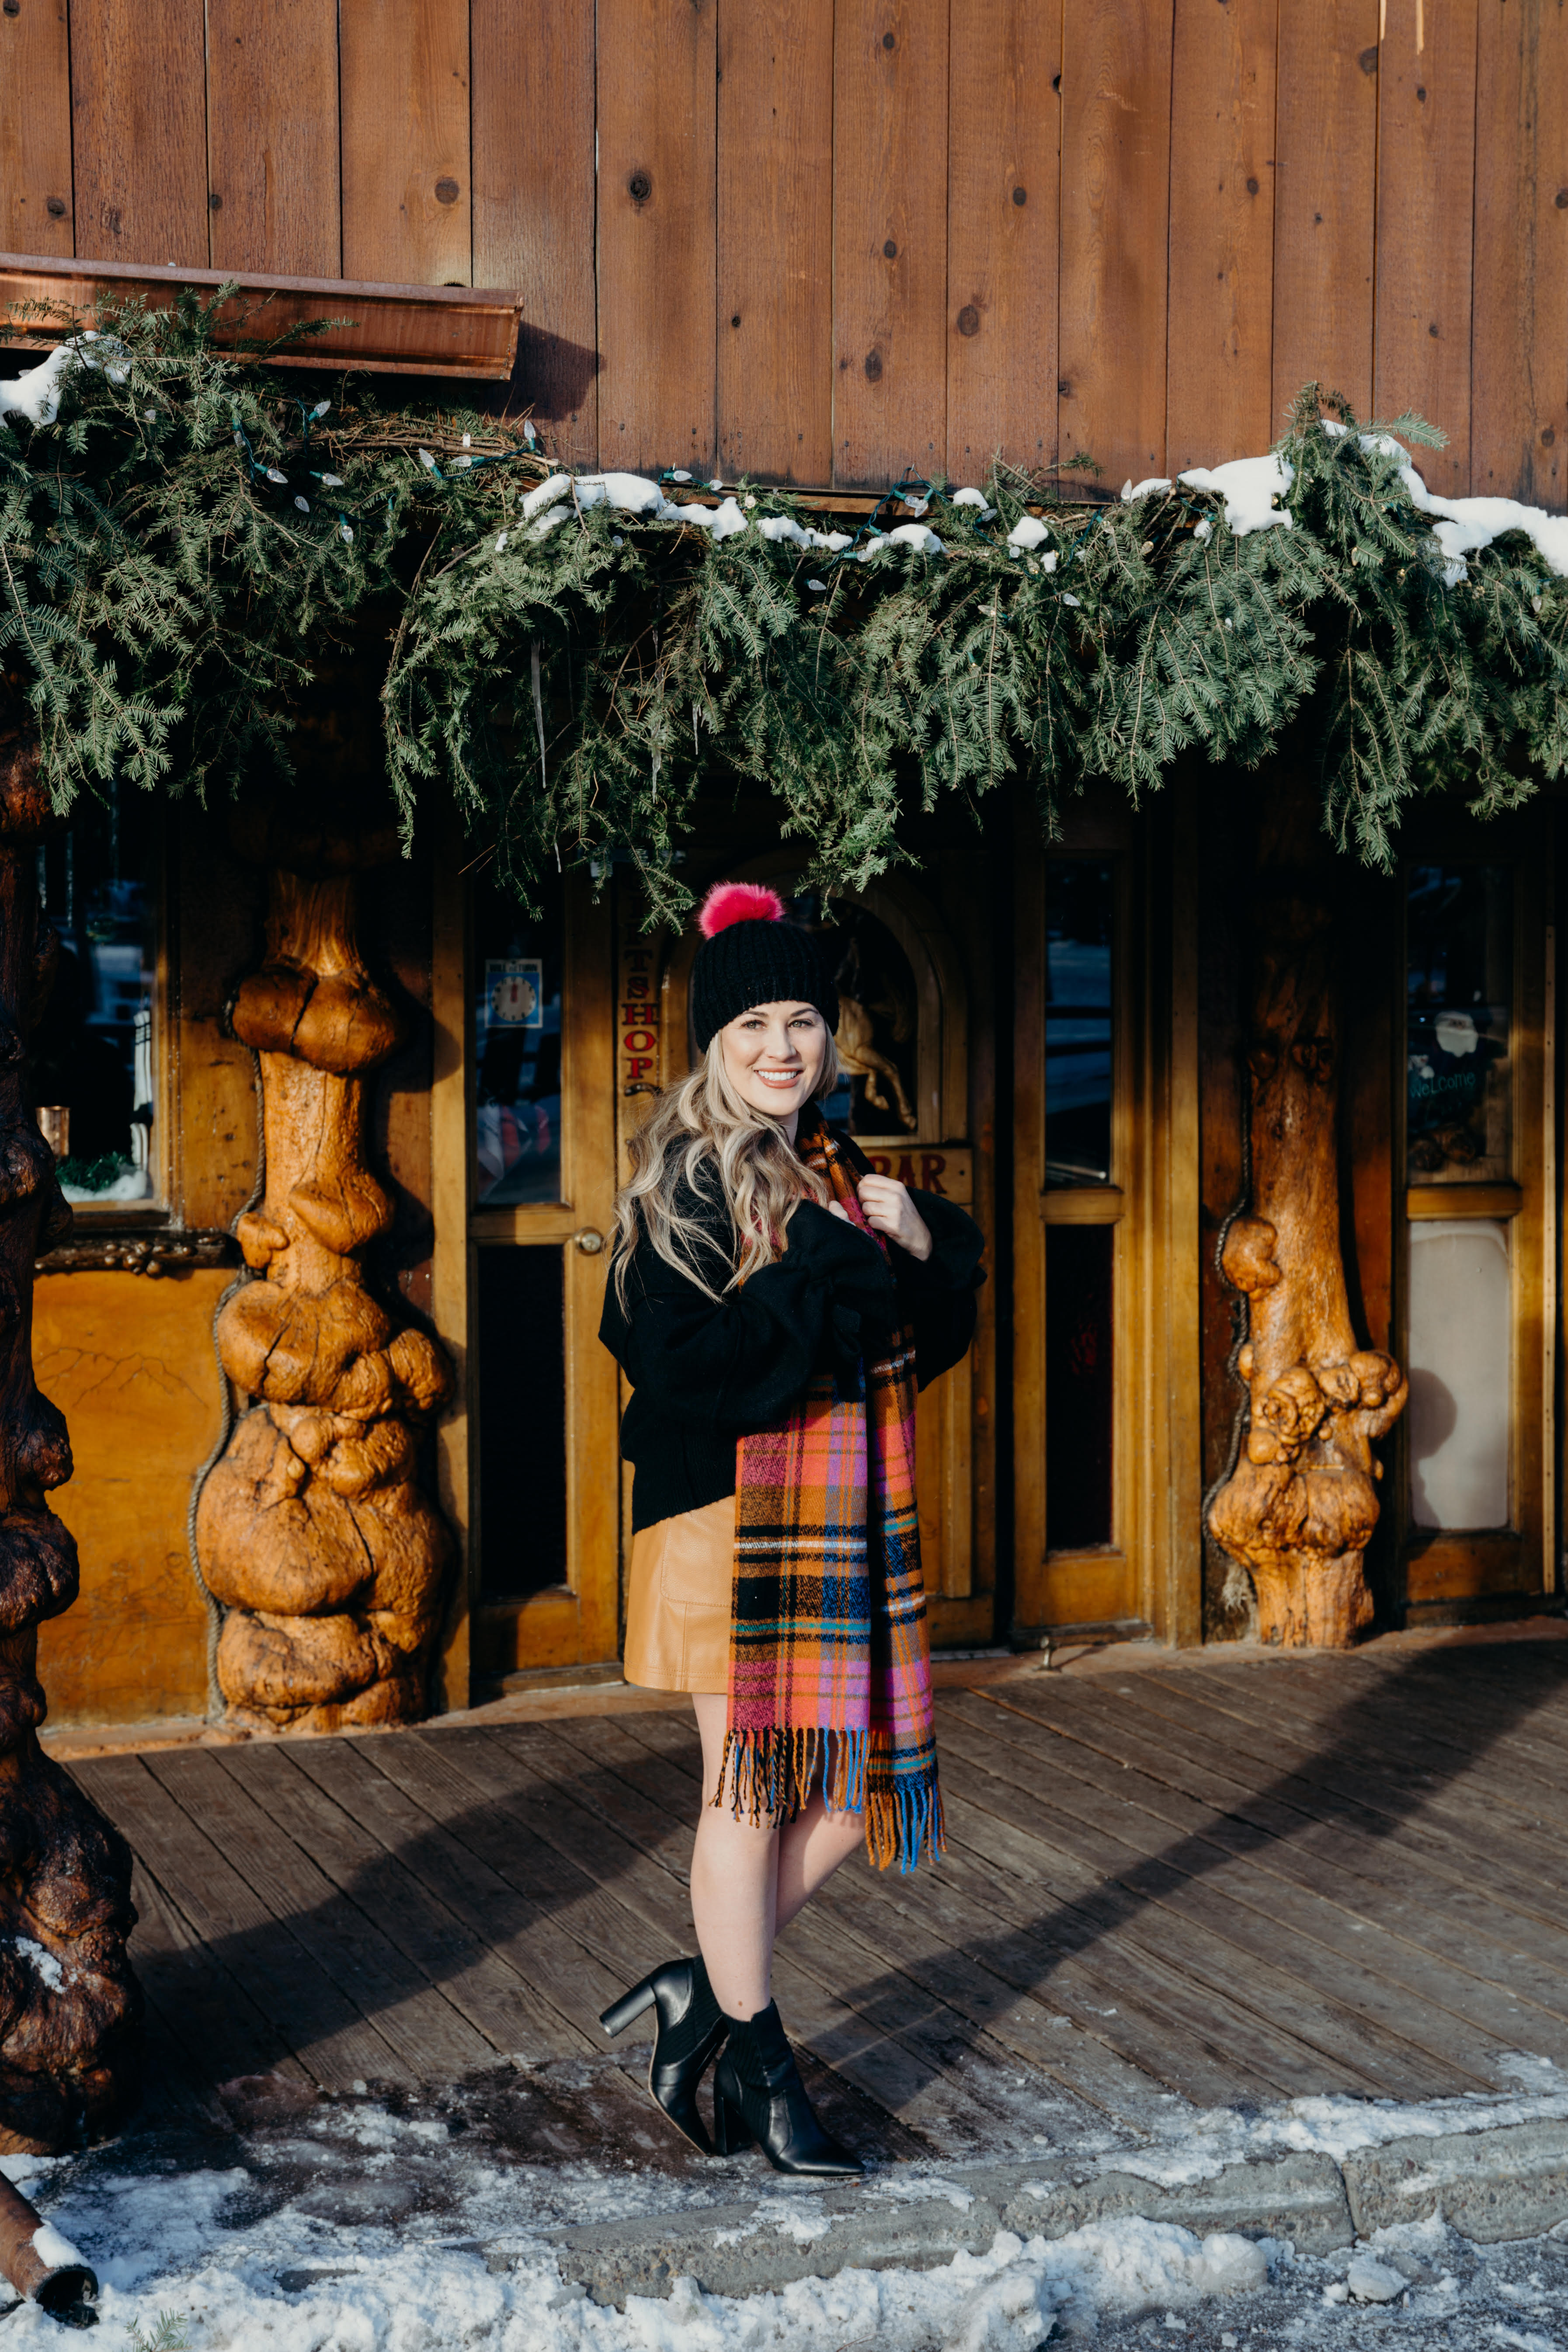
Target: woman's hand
887 1209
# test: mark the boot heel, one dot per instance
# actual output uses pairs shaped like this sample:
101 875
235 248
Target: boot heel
620 2014
731 2131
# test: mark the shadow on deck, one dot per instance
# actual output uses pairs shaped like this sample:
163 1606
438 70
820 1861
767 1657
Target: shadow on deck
1237 1879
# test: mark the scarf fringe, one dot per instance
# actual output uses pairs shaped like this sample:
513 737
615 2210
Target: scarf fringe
770 1776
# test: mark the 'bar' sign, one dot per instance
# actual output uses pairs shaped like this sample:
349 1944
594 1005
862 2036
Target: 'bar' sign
946 1169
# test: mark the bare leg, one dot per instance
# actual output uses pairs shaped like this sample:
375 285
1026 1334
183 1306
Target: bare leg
734 1883
810 1850
747 1882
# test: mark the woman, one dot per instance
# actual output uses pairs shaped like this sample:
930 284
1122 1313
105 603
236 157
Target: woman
774 1305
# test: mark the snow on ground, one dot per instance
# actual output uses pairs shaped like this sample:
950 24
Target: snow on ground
1194 2145
353 2224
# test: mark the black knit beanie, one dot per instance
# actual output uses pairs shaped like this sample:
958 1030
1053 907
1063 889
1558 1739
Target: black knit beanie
751 955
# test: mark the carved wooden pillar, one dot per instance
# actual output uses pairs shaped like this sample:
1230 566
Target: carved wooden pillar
70 2005
311 1530
1300 1506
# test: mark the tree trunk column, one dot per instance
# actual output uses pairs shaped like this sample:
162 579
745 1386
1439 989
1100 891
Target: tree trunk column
70 2005
311 1531
1300 1508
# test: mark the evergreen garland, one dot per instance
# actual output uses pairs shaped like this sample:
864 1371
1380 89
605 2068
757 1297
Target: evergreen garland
180 548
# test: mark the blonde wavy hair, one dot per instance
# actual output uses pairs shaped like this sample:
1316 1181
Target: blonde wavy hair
702 1134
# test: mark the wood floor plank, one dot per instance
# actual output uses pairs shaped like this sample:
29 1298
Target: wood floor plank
1173 1836
1158 2029
1509 1737
1239 1880
1292 1771
495 2006
1457 1796
1389 1706
433 2042
490 1869
283 1977
1229 1948
215 2029
1372 1878
468 1906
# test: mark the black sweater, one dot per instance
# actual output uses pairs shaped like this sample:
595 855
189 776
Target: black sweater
704 1369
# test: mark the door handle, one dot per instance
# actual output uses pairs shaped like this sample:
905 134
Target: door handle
589 1240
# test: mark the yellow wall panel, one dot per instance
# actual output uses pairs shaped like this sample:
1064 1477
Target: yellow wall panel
128 1361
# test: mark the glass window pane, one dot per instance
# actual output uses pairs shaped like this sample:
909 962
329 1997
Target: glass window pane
1080 1396
516 1050
1459 987
94 1044
879 1026
1460 1411
522 1422
1077 1021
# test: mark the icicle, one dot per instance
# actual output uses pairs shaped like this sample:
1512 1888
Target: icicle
538 722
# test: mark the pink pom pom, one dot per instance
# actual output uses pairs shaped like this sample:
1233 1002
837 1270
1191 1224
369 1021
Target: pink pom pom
738 902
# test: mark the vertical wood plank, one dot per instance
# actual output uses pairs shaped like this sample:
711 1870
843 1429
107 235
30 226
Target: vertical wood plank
1325 199
36 129
1004 168
139 127
1116 152
272 136
1219 386
775 233
1425 169
1519 384
533 203
657 63
890 239
404 101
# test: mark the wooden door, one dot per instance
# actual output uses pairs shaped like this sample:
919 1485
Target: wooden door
1476 1243
537 1189
1105 1228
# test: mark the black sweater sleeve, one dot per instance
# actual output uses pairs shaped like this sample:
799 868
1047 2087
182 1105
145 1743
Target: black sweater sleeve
936 1295
741 1360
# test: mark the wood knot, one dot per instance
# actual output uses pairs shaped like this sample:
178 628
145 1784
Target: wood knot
1248 1259
1287 1420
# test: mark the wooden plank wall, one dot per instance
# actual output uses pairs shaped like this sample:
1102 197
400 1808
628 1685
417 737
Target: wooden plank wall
827 241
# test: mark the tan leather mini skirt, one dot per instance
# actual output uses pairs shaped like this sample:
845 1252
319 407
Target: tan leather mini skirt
678 1600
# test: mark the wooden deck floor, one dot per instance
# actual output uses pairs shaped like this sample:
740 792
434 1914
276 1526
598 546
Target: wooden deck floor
1233 1880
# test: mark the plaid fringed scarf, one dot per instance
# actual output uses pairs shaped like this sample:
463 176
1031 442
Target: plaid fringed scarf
830 1664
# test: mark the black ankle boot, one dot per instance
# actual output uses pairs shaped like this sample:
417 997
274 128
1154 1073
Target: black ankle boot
690 2026
758 2094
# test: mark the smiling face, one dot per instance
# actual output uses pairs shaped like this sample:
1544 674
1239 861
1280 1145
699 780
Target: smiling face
773 1056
